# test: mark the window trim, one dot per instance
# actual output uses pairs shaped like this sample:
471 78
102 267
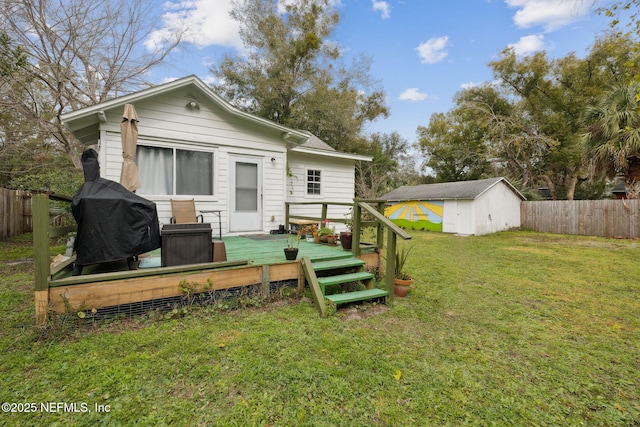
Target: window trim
214 151
320 182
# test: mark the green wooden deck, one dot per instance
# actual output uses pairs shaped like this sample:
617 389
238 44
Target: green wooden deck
263 250
269 249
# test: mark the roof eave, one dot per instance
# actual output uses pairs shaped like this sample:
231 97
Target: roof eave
333 154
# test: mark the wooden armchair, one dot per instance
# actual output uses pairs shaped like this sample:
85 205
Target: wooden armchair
184 212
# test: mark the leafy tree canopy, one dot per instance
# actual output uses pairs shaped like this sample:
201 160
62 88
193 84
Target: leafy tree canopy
292 73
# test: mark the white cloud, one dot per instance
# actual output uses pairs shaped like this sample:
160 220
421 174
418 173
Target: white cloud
433 50
382 7
206 23
413 94
469 85
550 14
528 44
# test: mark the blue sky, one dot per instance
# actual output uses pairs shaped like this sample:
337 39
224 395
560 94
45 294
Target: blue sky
422 51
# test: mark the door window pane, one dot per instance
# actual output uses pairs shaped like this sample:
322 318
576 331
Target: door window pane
246 186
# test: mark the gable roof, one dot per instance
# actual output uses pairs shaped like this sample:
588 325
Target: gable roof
78 119
302 141
468 190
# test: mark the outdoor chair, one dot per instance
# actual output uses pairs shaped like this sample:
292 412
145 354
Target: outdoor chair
184 212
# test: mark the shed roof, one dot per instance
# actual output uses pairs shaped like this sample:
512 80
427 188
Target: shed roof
448 190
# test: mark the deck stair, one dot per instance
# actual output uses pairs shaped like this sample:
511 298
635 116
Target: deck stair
339 270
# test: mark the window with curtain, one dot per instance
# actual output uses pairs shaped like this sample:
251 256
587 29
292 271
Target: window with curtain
173 171
313 181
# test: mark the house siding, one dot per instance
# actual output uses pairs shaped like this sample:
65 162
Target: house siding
165 121
337 185
497 209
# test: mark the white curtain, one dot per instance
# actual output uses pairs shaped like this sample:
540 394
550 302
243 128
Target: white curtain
194 172
155 169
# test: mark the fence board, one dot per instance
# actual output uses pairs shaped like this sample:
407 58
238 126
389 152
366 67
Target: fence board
15 212
602 218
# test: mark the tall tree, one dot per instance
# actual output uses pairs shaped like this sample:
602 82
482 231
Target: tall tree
613 139
292 73
551 98
79 52
453 148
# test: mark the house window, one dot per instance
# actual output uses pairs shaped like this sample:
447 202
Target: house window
313 181
173 171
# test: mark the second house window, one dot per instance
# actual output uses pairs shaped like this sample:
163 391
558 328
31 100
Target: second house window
313 181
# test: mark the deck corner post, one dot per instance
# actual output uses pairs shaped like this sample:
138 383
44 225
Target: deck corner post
41 235
266 281
391 262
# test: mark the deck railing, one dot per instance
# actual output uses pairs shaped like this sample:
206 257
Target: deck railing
42 233
364 214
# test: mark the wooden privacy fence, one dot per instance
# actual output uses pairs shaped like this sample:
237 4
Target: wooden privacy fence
15 213
602 218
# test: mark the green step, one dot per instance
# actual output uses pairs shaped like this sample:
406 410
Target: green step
344 278
338 263
357 296
334 256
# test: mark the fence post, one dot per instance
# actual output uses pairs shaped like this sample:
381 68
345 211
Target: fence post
41 234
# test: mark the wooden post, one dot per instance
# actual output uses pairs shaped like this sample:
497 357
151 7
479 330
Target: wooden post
380 228
356 228
391 262
287 209
324 212
266 282
41 235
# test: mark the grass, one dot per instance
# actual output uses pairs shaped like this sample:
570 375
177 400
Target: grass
516 328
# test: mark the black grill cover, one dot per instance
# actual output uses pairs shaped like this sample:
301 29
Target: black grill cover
113 222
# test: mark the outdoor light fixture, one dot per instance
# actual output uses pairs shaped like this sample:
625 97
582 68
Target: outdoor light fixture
193 105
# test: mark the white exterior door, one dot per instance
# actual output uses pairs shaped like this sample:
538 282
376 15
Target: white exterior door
246 194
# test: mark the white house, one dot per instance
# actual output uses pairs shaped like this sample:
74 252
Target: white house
467 207
193 144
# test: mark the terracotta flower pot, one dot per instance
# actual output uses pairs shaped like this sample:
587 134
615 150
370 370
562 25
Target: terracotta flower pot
401 287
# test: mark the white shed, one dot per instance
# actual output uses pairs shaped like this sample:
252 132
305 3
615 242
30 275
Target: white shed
467 207
193 144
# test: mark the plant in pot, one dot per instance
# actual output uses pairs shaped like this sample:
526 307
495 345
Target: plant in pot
324 233
346 237
307 231
332 239
402 280
291 251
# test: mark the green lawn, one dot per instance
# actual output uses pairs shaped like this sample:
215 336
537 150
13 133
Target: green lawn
516 328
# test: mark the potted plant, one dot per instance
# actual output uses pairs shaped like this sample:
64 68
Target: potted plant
346 237
291 251
307 231
324 233
402 280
